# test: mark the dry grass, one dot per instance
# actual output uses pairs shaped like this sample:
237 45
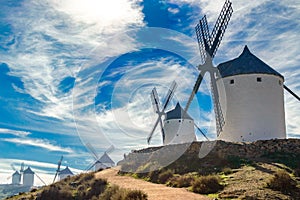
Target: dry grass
282 181
207 184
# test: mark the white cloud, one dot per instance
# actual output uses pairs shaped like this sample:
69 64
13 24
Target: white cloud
14 132
42 143
58 38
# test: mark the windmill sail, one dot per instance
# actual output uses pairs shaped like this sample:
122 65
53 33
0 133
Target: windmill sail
220 27
58 168
208 45
155 102
291 92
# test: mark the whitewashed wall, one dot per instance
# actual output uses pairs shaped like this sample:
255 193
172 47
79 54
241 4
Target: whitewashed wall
254 110
28 179
179 131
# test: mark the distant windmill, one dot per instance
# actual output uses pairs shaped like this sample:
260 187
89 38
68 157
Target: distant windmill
102 162
161 111
208 45
173 127
17 176
58 168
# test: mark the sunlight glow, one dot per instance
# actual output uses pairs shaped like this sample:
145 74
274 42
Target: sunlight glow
102 12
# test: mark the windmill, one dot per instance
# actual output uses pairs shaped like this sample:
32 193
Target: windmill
58 168
161 112
102 162
208 46
17 176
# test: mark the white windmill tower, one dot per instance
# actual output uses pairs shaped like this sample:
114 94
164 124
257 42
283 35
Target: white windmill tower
28 177
16 178
102 162
254 99
177 126
17 175
65 173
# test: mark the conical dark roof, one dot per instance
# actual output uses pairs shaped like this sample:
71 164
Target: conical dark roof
16 173
66 171
105 159
28 171
177 113
246 63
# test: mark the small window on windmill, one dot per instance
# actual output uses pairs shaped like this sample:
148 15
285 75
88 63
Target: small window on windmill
258 79
179 120
167 121
232 81
280 83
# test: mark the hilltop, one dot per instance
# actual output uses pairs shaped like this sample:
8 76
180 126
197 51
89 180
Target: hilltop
219 170
236 170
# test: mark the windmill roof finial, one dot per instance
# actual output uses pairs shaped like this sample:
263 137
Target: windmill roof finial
246 50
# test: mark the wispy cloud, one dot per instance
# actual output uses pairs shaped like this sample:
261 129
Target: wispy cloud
59 38
42 143
14 132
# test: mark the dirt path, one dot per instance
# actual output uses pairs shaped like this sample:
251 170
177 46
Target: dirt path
154 191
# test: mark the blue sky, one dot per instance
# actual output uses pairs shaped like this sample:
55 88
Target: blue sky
81 71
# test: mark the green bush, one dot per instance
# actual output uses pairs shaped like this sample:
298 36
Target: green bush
181 181
297 172
164 176
135 195
153 176
227 170
109 192
207 184
116 193
282 181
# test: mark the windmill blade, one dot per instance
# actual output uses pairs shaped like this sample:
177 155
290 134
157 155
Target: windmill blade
162 130
203 38
291 92
155 103
91 166
195 90
22 167
220 27
13 167
201 131
169 95
220 122
153 129
40 178
155 100
58 168
110 149
92 150
168 98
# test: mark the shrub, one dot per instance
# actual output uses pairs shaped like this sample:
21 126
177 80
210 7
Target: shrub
297 172
227 170
109 192
181 181
135 195
164 176
54 192
115 193
153 176
282 181
207 185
